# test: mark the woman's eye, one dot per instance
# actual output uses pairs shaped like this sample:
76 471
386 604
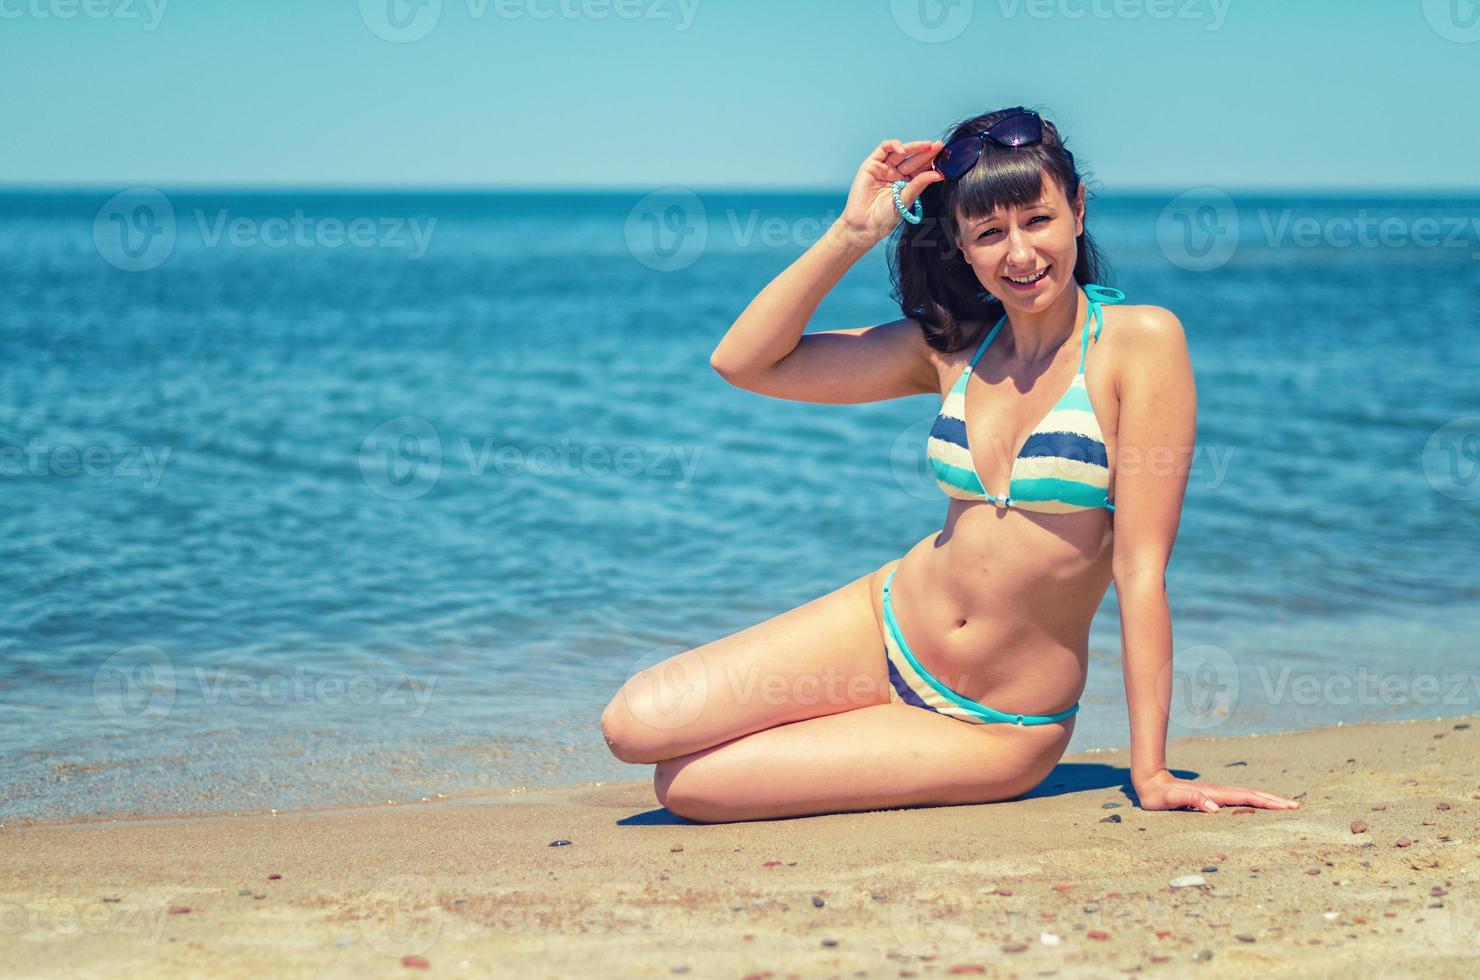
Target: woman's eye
1038 217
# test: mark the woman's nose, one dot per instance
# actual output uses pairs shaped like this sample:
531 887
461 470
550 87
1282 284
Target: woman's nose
1019 252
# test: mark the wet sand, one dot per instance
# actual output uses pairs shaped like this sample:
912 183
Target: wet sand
1048 885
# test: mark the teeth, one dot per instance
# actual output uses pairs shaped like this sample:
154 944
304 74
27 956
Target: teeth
1029 279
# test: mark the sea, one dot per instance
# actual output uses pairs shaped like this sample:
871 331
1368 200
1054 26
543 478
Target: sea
318 498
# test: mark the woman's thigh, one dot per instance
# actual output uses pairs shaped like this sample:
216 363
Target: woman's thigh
884 756
823 657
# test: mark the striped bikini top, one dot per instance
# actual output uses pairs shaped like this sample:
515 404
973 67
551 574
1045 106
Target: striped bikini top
1062 467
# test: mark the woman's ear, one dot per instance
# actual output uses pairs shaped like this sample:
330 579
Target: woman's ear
1079 212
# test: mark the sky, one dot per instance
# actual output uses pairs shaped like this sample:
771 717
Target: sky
729 94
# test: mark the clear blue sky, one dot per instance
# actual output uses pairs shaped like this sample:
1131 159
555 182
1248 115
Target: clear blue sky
728 93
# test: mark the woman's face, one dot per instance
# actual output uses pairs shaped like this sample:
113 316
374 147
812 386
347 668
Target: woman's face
1037 243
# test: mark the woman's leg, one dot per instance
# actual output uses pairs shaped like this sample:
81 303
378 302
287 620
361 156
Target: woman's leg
821 658
875 758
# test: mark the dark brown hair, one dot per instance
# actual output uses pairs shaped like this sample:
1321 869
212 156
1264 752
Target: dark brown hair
931 280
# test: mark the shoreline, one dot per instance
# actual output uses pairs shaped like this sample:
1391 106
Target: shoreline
515 792
508 794
1375 872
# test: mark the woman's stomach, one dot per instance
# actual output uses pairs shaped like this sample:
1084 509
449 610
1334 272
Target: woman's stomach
999 609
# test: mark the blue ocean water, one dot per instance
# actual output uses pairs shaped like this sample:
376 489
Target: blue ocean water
323 498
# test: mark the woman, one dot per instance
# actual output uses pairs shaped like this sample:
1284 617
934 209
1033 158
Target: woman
951 675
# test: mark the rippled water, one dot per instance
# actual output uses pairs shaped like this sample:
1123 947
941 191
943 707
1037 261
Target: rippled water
296 515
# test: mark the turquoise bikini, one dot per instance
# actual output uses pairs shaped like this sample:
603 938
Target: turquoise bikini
1063 467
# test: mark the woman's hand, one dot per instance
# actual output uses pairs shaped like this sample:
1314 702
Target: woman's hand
1163 791
870 214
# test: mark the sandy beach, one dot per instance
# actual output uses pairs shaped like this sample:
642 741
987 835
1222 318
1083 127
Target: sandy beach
1373 875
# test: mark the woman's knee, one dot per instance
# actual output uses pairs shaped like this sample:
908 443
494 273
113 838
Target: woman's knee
682 793
626 737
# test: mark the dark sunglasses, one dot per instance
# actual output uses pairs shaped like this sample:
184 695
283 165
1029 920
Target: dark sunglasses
960 155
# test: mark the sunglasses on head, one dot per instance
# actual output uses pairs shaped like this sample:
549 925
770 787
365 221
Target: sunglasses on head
960 155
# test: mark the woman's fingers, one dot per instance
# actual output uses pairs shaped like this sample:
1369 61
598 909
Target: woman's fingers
1243 796
1210 798
919 159
894 152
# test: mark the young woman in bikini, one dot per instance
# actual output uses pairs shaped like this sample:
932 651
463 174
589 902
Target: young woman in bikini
1055 411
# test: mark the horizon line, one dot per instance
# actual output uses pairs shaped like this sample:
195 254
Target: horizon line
489 189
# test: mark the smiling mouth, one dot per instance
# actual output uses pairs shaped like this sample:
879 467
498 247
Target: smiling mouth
1028 280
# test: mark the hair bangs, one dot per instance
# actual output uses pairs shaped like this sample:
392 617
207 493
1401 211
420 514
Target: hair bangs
1003 177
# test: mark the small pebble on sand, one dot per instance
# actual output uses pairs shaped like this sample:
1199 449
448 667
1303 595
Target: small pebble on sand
179 909
1113 818
1402 842
1099 934
1243 937
817 901
1014 947
1048 938
415 962
1359 826
559 843
1188 881
1209 868
1204 954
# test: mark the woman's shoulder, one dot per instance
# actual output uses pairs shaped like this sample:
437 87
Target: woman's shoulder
1139 324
